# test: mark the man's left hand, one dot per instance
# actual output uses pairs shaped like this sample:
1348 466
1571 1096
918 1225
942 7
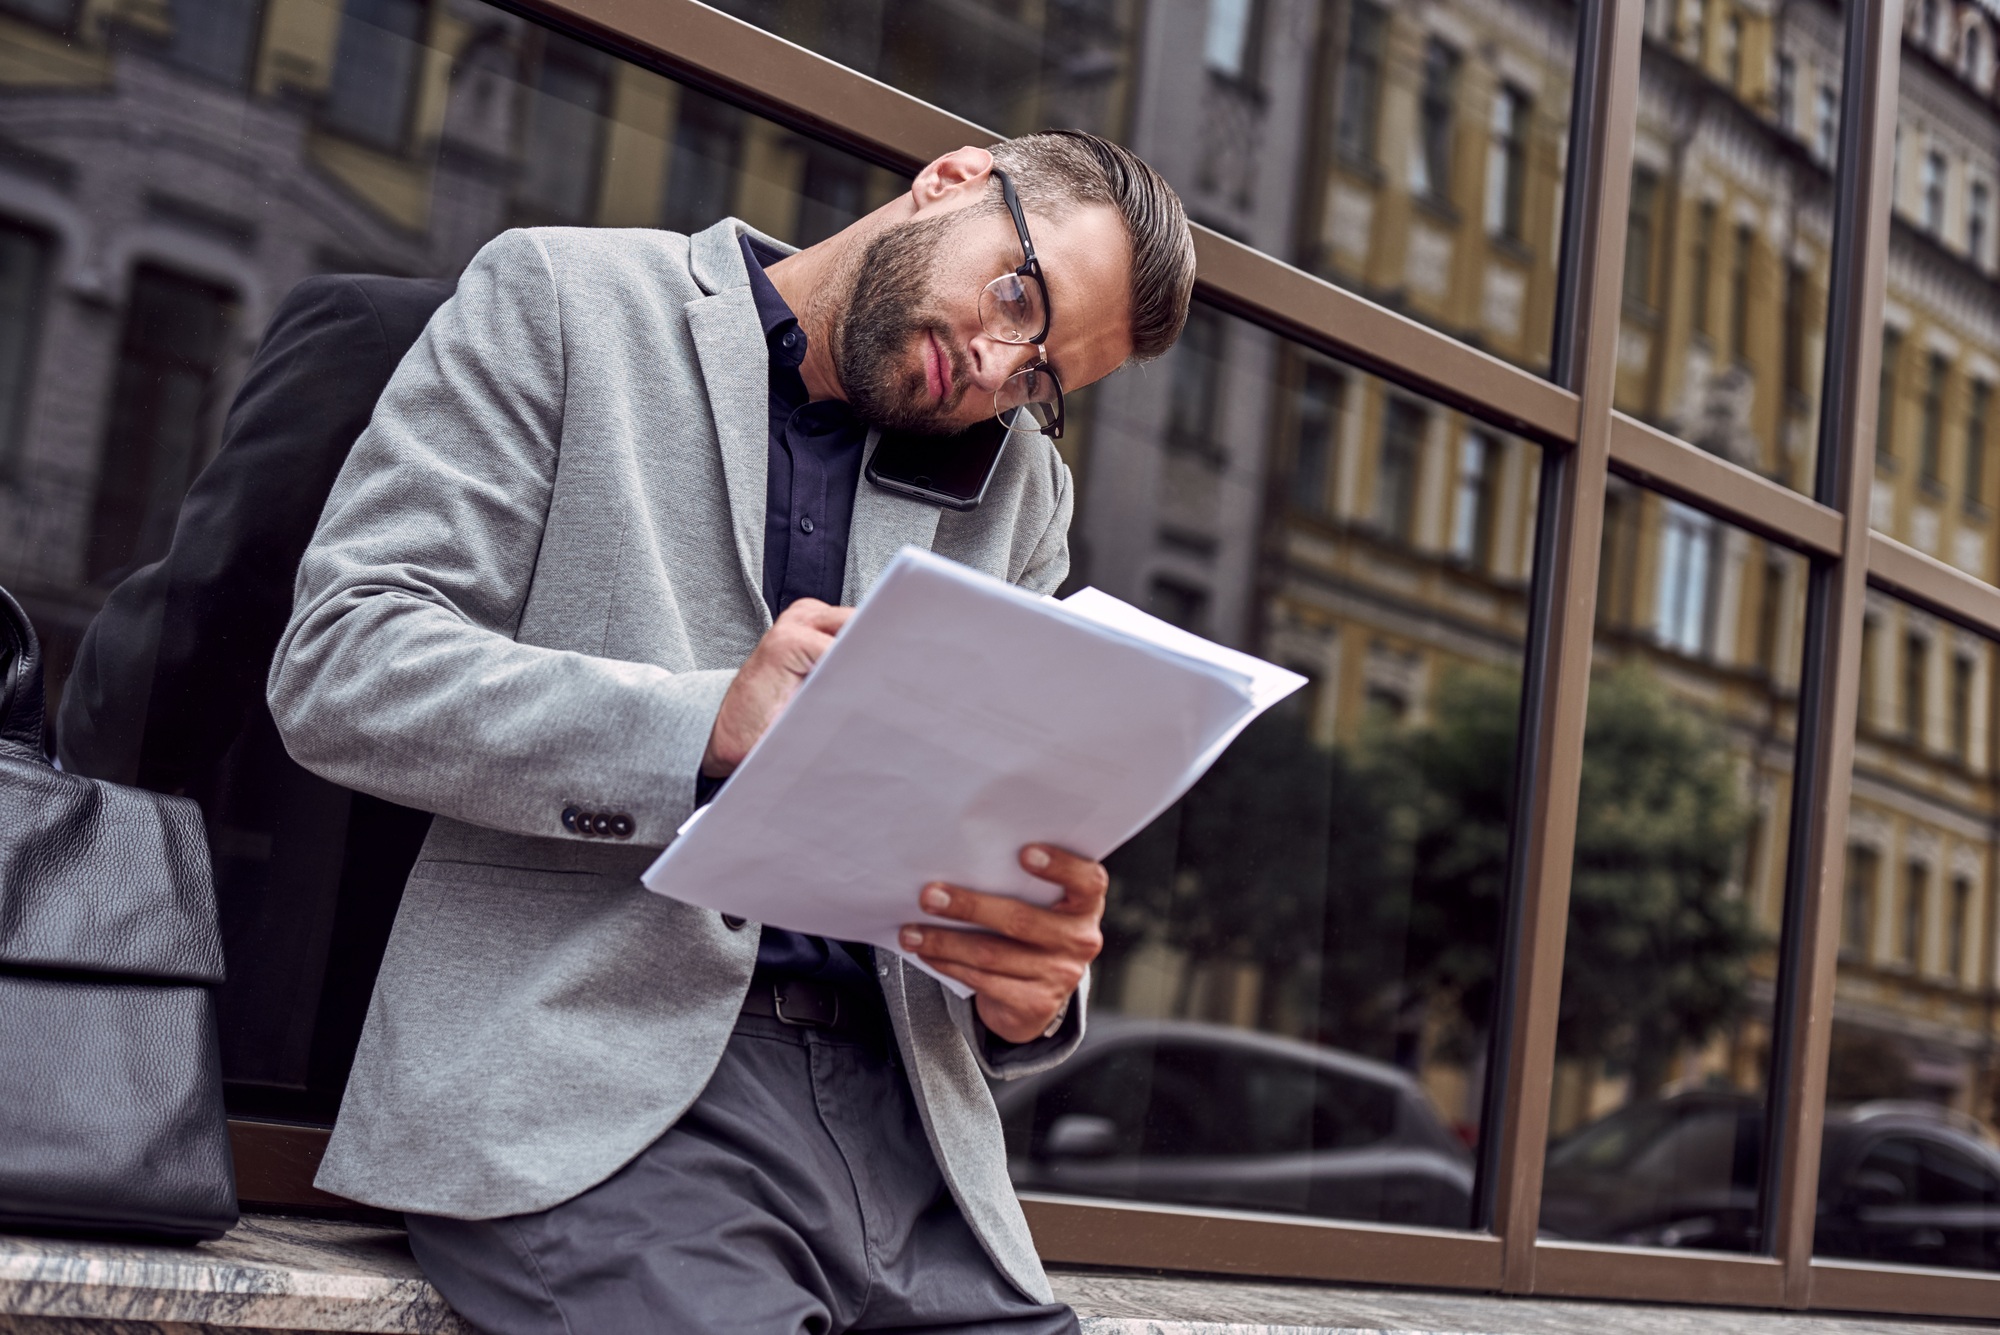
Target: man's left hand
1029 960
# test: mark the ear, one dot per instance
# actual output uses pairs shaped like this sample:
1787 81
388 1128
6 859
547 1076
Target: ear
952 181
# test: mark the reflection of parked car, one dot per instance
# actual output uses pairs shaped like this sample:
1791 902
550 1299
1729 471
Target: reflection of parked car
1899 1182
1673 1172
1200 1114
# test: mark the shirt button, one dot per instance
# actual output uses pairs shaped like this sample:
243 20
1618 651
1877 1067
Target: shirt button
806 524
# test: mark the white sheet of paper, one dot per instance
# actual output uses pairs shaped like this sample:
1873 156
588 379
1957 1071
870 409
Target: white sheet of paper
955 719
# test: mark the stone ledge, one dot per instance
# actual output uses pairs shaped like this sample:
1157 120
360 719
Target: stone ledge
270 1273
276 1275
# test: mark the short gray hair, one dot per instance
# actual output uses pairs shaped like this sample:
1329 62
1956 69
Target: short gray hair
1057 170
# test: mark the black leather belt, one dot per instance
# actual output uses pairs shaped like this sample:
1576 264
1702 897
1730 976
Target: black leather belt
806 1004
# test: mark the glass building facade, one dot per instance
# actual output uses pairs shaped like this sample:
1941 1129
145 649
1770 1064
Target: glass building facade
1616 914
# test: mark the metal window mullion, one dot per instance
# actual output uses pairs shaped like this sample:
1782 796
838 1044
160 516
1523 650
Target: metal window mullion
1803 1023
1555 694
1751 501
1947 591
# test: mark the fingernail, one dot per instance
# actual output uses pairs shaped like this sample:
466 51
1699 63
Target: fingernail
1035 858
912 937
935 899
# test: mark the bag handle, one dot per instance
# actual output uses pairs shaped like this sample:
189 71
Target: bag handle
20 683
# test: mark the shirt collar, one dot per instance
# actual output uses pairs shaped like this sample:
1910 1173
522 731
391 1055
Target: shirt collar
781 328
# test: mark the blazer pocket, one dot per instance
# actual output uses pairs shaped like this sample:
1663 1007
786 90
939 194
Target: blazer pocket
520 878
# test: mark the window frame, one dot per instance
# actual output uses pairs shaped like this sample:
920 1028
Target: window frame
1433 151
1930 425
1978 427
1933 184
14 417
1701 264
1742 255
551 54
1507 159
1358 98
397 141
1249 34
1585 441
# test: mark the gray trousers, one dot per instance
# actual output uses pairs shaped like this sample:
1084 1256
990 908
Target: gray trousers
797 1196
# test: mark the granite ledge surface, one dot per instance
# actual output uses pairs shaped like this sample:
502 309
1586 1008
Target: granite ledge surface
271 1273
276 1275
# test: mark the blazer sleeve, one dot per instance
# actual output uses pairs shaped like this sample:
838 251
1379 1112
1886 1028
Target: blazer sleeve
177 657
399 674
1048 560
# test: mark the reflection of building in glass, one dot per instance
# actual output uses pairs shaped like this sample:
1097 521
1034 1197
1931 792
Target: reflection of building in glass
168 173
1435 176
1914 1009
1726 273
1399 519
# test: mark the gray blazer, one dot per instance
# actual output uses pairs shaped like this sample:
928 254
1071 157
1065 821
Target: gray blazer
531 585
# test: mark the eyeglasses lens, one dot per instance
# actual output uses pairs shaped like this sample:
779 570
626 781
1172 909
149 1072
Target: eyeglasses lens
1026 401
1012 310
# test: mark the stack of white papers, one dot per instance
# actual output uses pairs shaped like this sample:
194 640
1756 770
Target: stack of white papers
954 720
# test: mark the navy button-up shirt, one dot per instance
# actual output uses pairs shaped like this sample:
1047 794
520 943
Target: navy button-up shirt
815 467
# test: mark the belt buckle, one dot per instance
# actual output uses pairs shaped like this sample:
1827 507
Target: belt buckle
778 991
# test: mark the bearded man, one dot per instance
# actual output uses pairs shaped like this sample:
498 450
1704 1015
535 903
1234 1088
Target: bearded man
606 516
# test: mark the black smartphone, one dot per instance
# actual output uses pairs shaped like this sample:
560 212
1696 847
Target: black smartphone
951 471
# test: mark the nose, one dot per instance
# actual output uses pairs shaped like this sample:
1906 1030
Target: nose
992 361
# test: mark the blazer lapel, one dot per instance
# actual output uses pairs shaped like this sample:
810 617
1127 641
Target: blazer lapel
884 523
735 364
736 369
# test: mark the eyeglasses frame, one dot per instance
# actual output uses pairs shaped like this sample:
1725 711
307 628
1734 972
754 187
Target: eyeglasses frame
1031 268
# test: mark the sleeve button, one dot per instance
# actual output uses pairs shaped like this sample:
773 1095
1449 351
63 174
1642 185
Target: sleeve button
621 826
732 922
600 823
569 818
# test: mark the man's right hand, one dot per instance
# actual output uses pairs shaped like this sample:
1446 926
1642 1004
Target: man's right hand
765 684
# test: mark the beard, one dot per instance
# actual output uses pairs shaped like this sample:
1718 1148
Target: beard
887 315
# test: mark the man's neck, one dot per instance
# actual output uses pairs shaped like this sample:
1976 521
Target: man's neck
812 282
807 280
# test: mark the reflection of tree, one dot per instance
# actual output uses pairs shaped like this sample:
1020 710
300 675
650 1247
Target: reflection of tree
1366 882
1239 870
1659 939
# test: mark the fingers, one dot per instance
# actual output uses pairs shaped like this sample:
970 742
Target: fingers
1083 880
800 637
1059 970
766 682
819 616
1057 928
1028 960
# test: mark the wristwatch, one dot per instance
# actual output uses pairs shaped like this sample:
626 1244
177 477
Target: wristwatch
1062 1013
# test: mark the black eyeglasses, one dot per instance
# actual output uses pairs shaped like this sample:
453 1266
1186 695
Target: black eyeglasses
1014 308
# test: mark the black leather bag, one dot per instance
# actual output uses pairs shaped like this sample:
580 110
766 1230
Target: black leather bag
111 1115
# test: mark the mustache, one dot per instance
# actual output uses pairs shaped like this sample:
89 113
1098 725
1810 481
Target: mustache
957 365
